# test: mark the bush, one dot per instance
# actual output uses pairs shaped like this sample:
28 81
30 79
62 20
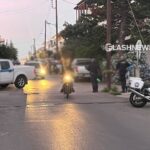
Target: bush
113 90
115 93
106 90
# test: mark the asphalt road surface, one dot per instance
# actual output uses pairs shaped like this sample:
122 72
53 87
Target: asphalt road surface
40 118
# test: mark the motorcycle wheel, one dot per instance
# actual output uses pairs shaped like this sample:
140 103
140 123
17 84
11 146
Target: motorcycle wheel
66 90
67 95
137 101
3 86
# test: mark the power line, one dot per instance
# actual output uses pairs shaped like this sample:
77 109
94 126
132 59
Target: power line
136 22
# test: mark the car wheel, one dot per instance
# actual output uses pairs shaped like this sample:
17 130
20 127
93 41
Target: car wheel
20 82
4 86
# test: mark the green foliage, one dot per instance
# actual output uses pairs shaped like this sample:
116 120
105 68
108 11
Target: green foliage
8 52
106 90
114 90
85 38
115 93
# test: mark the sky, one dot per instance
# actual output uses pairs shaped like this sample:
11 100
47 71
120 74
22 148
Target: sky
23 20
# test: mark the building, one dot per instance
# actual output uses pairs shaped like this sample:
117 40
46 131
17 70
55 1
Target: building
40 53
51 44
2 41
50 47
84 8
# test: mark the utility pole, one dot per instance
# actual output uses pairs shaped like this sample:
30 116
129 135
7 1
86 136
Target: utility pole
34 48
56 5
109 24
45 36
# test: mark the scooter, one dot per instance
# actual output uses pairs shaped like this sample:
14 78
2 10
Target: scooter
67 88
140 91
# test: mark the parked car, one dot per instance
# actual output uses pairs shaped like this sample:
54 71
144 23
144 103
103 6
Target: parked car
79 66
40 68
16 62
18 75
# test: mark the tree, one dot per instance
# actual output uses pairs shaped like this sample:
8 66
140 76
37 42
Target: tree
129 18
8 52
84 39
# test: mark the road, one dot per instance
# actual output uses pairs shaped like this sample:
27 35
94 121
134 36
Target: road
40 118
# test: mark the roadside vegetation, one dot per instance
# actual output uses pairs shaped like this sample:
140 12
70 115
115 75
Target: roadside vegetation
8 52
86 38
113 90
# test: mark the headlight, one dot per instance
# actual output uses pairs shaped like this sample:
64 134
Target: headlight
137 84
68 78
42 72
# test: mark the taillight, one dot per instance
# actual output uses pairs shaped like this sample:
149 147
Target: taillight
34 71
76 69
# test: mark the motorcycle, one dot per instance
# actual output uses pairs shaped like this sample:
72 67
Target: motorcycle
67 88
140 92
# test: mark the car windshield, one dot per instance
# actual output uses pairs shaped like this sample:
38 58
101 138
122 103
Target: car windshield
82 63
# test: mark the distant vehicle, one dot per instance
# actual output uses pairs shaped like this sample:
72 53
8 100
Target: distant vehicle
40 68
55 67
16 62
18 75
79 66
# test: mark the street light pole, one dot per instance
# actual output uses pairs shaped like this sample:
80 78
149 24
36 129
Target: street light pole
109 24
56 5
34 48
45 36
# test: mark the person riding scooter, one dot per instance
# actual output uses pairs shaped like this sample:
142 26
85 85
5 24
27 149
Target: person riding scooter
68 78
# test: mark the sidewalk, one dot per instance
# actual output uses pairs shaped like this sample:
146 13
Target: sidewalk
123 95
84 95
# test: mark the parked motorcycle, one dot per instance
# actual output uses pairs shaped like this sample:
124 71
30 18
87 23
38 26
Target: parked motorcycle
67 88
140 92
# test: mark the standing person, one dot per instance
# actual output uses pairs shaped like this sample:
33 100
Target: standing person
121 67
94 72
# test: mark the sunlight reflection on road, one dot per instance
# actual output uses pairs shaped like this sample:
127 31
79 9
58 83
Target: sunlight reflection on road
59 129
66 127
58 126
38 86
38 89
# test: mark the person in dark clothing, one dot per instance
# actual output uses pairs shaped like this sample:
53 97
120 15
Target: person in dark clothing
121 67
94 73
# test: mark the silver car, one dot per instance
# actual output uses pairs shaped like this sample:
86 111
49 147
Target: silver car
79 66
